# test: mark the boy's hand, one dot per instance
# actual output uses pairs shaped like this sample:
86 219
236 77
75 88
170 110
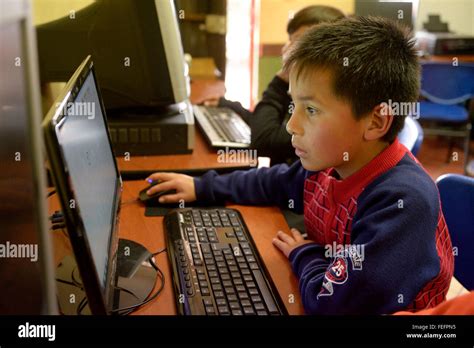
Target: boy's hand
212 100
286 243
183 184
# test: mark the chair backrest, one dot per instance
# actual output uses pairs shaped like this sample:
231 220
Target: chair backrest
457 200
444 83
411 135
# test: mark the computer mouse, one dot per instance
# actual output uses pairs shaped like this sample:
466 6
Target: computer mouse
154 197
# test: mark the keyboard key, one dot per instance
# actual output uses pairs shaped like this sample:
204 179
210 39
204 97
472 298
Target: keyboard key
251 285
207 302
246 303
216 287
221 302
205 248
256 298
223 310
218 294
248 278
253 291
262 313
205 291
240 288
223 271
232 298
237 312
210 310
249 311
234 305
229 291
243 295
259 306
227 283
254 266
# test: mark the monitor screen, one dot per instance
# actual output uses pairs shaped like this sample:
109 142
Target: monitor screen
135 45
87 155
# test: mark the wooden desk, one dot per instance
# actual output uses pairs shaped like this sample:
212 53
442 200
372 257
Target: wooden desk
263 223
460 58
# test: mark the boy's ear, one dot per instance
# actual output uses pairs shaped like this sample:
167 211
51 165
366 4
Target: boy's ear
379 122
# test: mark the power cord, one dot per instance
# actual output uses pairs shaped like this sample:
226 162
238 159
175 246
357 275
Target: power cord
129 309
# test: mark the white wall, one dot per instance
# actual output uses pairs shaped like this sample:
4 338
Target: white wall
459 14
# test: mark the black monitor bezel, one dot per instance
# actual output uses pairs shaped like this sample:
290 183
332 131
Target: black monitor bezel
100 302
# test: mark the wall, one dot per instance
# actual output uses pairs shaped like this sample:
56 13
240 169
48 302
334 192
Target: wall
458 13
274 16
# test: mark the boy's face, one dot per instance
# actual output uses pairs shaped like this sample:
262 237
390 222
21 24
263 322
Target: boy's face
325 131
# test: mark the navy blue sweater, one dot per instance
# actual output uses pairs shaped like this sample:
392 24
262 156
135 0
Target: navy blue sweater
380 240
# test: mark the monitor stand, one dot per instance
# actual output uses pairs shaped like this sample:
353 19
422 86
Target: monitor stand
136 279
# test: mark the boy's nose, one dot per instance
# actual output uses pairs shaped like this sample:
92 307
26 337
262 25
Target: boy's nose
293 125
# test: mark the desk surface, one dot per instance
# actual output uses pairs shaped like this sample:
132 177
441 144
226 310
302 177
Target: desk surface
263 223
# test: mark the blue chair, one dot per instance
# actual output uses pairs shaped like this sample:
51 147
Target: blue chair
447 88
411 135
457 200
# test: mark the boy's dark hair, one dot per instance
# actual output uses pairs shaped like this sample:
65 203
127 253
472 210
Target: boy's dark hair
372 60
313 15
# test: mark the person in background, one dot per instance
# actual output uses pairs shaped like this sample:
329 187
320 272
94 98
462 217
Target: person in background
268 121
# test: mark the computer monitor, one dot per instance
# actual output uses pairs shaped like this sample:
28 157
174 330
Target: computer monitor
87 182
136 48
135 45
403 12
26 256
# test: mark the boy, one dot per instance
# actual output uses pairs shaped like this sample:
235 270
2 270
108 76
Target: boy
378 242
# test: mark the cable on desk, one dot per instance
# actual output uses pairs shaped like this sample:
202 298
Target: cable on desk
159 252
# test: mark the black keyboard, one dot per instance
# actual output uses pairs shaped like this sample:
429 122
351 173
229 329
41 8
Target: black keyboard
222 127
216 267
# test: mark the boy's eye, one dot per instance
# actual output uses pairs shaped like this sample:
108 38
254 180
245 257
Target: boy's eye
312 111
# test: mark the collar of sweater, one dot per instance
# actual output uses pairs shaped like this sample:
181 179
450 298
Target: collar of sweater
354 184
